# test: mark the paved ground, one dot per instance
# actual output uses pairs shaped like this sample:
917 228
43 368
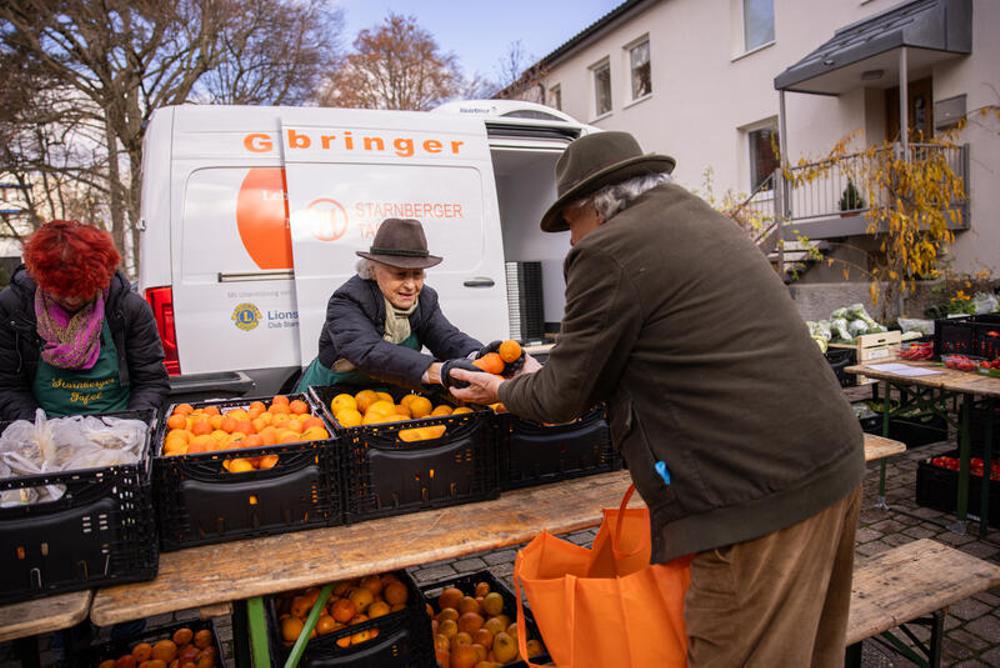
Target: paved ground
973 625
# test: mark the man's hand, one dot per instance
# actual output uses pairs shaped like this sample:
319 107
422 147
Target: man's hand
483 388
531 365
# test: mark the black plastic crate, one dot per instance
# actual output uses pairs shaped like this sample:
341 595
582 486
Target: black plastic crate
404 638
914 431
533 454
100 532
937 488
114 649
467 583
839 359
200 503
976 335
977 431
385 475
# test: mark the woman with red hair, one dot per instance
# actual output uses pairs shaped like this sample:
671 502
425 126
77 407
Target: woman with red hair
74 338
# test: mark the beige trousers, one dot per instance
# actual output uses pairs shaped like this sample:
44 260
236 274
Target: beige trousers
776 601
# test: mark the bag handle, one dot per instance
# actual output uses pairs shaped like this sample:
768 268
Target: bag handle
616 538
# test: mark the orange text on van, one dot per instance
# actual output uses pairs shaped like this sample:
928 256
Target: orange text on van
404 147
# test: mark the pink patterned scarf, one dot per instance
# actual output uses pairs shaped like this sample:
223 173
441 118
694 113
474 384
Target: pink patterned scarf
72 340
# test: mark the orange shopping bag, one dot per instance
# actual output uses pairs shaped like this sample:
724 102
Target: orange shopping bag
605 606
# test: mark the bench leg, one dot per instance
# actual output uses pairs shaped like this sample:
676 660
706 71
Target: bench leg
925 655
937 638
852 657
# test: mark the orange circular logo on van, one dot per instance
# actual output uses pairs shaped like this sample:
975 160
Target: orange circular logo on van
262 218
328 218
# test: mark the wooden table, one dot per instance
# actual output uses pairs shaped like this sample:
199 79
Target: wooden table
935 392
202 576
43 615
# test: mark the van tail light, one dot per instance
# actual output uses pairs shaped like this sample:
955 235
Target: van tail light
162 302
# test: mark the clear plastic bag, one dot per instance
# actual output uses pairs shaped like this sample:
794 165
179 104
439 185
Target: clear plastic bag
65 444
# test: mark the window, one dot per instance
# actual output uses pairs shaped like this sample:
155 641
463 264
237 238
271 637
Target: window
555 97
763 156
602 88
642 82
758 23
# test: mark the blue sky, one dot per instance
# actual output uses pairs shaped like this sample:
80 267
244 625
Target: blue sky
479 32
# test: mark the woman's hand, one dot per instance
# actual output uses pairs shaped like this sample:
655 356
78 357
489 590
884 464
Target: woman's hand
483 388
432 376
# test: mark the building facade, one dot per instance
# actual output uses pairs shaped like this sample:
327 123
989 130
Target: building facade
700 79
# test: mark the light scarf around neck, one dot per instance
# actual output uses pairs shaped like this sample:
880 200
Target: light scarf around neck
397 322
72 340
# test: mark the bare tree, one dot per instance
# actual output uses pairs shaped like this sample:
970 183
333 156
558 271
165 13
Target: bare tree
276 55
521 77
119 60
397 65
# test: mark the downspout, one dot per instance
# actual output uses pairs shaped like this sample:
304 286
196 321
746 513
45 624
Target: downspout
782 207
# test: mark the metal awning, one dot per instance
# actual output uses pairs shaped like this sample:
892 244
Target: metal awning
930 30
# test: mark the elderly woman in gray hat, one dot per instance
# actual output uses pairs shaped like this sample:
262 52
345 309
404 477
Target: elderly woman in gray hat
379 320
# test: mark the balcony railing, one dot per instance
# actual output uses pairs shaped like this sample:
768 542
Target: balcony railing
823 194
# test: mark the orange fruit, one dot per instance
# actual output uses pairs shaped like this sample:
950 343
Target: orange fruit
165 650
142 652
464 656
405 401
372 582
404 411
279 409
312 421
461 409
449 613
361 598
252 441
258 424
268 435
470 622
315 434
291 627
202 639
483 637
298 407
300 606
228 424
215 421
420 407
238 414
490 363
200 444
349 417
509 350
382 407
378 609
257 406
175 447
442 410
395 592
450 598
267 462
210 410
295 425
176 422
183 409
279 399
244 427
342 401
183 636
182 435
364 399
343 610
385 396
288 436
325 624
240 465
468 604
201 428
412 435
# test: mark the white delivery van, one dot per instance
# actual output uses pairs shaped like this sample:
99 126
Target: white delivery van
251 217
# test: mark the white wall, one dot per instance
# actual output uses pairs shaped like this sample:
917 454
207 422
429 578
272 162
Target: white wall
705 90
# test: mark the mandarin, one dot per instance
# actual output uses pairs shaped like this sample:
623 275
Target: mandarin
420 407
509 351
441 410
364 399
176 422
349 417
298 407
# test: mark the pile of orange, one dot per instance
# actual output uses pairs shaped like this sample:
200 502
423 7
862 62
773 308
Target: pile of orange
371 407
352 602
184 648
472 630
207 429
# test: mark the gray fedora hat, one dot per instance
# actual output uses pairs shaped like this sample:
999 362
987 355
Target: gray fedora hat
594 161
400 242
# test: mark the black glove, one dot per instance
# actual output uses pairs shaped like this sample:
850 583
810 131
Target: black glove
509 368
458 363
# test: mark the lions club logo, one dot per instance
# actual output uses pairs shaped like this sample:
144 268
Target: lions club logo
246 316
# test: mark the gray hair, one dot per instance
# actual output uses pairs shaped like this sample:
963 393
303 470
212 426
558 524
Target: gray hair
366 269
617 197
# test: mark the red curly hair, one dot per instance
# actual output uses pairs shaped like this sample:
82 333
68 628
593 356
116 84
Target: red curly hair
68 258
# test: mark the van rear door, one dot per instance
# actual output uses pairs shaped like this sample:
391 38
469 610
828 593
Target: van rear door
347 175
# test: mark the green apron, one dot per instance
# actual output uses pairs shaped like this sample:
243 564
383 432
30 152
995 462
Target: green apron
84 392
317 374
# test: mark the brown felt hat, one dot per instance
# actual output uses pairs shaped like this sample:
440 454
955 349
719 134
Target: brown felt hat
594 161
400 242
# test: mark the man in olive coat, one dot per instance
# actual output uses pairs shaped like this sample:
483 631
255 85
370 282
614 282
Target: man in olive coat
732 424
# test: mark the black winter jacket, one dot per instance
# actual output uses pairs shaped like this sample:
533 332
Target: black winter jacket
355 324
140 353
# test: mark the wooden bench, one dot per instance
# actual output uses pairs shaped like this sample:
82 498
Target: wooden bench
909 585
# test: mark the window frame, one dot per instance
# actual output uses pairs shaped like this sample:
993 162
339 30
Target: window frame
602 64
627 50
747 131
746 48
556 92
